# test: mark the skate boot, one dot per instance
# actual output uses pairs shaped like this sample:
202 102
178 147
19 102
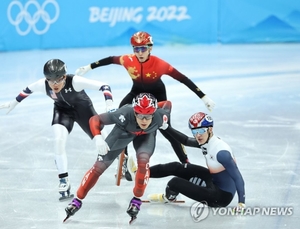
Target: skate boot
130 169
73 207
134 208
125 171
64 189
170 195
158 198
162 198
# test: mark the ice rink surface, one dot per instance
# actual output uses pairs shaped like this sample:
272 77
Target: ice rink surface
256 89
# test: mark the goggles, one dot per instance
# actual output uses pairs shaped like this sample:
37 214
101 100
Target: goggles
144 116
199 130
140 48
57 81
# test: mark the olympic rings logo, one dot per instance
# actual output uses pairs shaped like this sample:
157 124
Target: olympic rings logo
32 20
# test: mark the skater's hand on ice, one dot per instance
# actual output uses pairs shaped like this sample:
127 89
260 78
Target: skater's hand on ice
209 103
10 105
101 145
82 70
240 208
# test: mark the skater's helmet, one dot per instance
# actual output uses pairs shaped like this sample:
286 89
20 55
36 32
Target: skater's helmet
141 38
54 69
199 120
144 103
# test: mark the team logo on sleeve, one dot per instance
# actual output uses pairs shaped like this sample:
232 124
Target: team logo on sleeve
165 118
165 124
122 118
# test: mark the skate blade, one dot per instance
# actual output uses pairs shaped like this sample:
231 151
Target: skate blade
132 220
68 216
173 202
64 198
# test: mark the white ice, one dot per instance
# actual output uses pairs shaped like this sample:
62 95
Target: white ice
257 93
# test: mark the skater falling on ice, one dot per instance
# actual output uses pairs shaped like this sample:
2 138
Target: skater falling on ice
146 72
71 104
136 123
215 185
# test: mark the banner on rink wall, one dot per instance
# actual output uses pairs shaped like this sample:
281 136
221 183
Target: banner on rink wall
249 21
52 24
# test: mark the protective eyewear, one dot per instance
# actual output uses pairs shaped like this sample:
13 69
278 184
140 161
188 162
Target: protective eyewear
199 131
57 81
144 116
140 48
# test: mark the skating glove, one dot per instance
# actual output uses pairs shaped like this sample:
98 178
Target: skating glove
209 103
240 208
10 105
82 70
101 144
109 106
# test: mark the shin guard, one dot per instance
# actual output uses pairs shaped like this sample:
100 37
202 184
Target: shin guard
142 175
90 179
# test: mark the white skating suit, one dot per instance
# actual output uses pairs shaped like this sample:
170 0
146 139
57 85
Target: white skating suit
216 185
222 167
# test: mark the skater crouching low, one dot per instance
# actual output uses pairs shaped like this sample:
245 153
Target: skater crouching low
71 104
136 123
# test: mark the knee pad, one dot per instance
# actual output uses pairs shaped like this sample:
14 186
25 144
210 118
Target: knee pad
99 168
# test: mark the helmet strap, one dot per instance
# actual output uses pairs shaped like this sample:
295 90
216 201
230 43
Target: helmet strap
208 137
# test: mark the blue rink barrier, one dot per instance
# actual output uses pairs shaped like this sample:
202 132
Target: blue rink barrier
52 24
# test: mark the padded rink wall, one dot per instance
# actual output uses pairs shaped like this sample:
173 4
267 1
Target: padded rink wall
54 24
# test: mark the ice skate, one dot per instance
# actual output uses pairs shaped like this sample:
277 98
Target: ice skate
134 208
157 198
64 189
161 198
131 169
125 171
73 207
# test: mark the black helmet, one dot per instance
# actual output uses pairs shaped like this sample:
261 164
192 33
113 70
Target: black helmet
54 69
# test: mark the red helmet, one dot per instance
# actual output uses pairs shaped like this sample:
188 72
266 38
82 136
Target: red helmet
199 120
144 103
141 38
